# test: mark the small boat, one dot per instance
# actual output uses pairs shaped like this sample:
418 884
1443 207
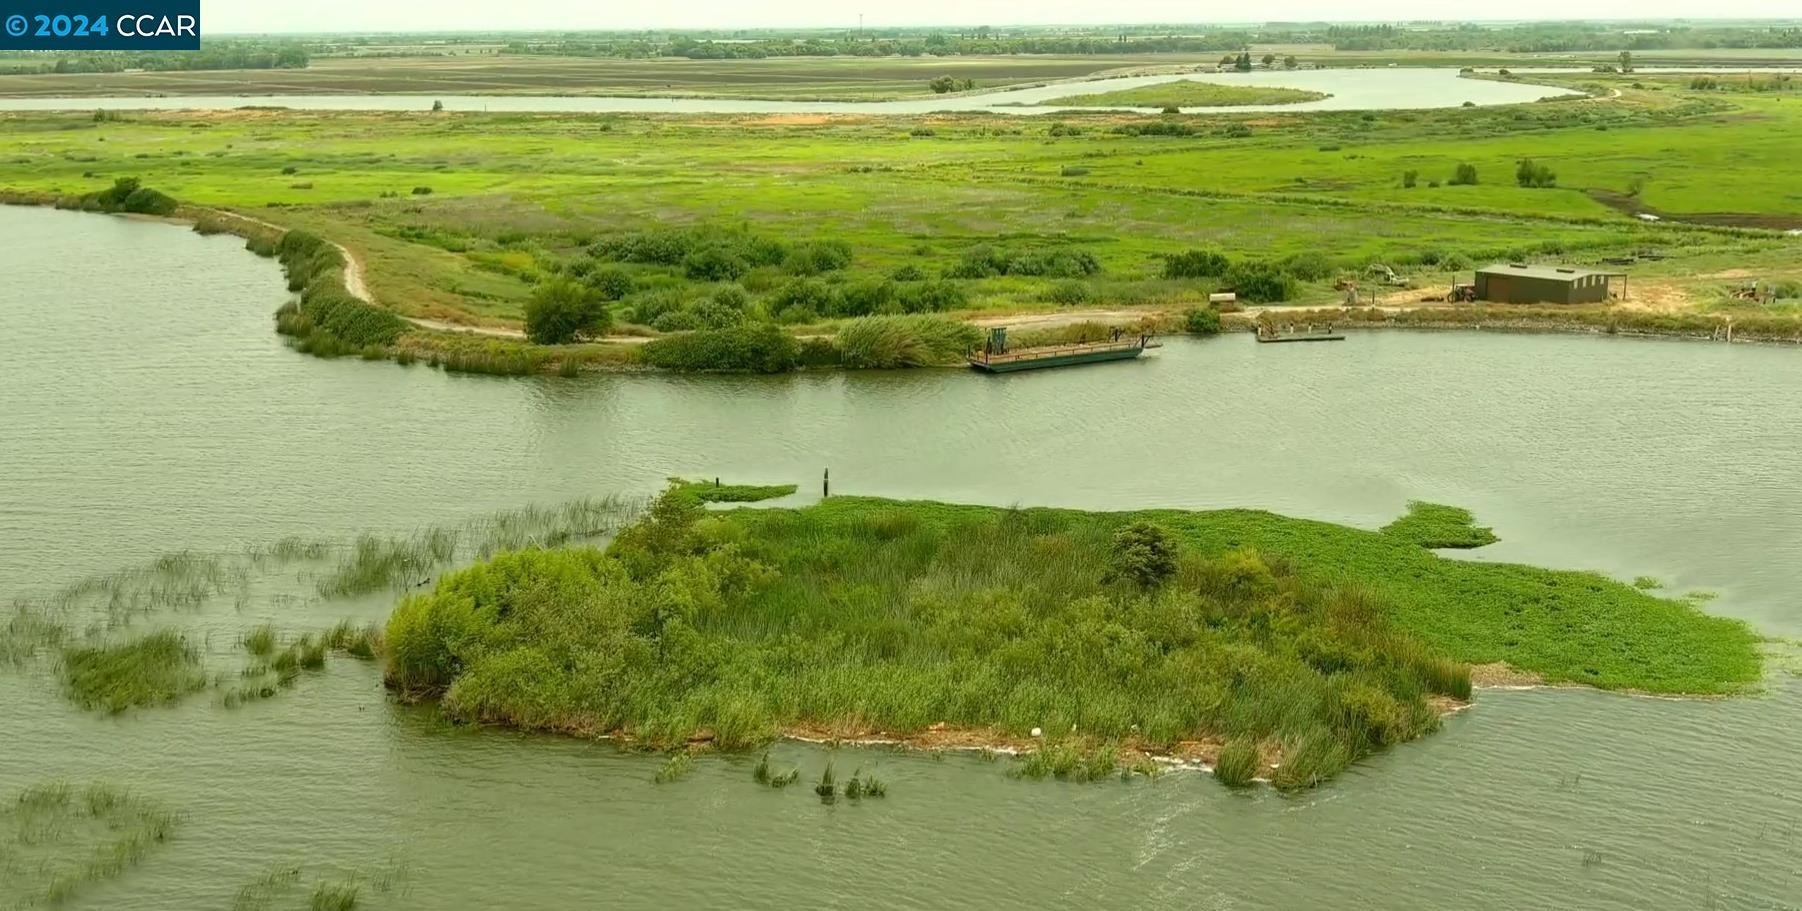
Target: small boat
996 357
1268 332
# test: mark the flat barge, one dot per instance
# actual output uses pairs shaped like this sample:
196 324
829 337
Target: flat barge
1271 334
995 357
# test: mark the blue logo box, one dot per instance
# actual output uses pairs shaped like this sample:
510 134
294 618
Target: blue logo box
100 25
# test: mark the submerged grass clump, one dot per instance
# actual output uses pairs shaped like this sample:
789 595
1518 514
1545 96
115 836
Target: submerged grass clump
1069 761
363 641
260 641
861 786
336 896
375 562
156 669
1434 526
767 775
676 767
55 839
861 615
260 894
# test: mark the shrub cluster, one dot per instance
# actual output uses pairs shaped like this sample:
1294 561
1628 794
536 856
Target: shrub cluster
756 348
1260 282
126 194
714 254
807 300
985 261
1155 128
1195 264
1532 174
326 320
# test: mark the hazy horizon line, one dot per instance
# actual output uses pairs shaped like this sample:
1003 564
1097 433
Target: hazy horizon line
1150 23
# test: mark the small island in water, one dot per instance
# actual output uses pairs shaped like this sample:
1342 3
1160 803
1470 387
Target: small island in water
1188 93
1263 646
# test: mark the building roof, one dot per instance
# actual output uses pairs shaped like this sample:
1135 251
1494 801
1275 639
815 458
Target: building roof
1550 273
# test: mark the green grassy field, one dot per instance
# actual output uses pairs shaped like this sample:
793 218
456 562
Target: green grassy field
1189 94
459 217
1303 640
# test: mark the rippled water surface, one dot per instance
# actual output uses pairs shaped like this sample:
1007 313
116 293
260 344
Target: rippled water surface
1350 90
145 406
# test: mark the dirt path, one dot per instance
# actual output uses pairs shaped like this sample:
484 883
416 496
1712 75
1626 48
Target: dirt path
358 287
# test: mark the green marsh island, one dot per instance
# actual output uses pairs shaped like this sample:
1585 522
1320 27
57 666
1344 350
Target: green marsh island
1262 646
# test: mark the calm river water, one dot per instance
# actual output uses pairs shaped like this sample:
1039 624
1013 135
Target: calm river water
1351 90
145 406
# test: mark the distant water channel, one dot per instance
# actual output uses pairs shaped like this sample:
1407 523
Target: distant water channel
146 407
1374 89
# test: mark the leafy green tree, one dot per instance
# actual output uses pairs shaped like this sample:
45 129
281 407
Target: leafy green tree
1465 175
1243 64
1142 554
1269 60
1626 61
561 311
943 84
1532 174
1289 62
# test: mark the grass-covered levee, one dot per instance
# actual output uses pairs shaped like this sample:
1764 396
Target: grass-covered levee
1273 647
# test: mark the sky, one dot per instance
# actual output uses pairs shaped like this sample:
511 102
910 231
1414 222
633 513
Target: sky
231 16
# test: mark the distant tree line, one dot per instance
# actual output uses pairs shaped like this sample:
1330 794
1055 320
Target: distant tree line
1548 37
935 44
224 55
1520 38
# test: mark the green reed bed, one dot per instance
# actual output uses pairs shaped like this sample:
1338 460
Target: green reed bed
261 893
376 562
341 895
260 641
56 839
715 492
1238 763
769 776
676 767
275 671
1067 761
1434 525
913 340
160 668
363 641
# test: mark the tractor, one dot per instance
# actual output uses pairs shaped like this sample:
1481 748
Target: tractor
1387 276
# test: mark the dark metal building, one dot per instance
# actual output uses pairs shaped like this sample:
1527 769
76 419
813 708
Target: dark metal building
1519 283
